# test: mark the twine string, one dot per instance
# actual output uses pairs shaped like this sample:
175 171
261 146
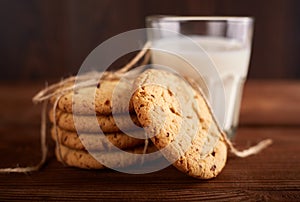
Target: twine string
90 79
243 153
44 148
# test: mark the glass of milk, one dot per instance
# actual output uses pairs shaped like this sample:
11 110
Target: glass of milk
217 47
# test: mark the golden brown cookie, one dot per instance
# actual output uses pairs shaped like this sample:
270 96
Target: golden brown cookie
97 99
95 141
82 159
86 124
179 122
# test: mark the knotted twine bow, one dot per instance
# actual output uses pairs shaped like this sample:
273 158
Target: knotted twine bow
92 79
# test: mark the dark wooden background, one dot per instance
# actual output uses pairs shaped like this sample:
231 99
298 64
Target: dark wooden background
42 39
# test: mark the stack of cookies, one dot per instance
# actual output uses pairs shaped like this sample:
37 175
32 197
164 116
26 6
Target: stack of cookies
92 125
77 135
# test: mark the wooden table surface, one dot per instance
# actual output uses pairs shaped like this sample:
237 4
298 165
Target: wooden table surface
270 109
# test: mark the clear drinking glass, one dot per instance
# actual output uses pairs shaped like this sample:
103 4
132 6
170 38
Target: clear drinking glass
227 43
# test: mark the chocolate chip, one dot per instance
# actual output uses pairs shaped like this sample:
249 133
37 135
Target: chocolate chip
172 110
107 102
213 153
170 92
98 85
213 168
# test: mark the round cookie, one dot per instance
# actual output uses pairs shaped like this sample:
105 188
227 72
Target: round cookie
77 158
179 123
93 141
91 100
86 124
82 159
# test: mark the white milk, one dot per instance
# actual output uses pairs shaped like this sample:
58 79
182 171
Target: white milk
230 60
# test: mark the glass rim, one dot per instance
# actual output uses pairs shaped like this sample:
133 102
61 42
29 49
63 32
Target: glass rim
170 18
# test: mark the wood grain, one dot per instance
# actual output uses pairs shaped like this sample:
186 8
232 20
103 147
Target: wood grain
273 175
